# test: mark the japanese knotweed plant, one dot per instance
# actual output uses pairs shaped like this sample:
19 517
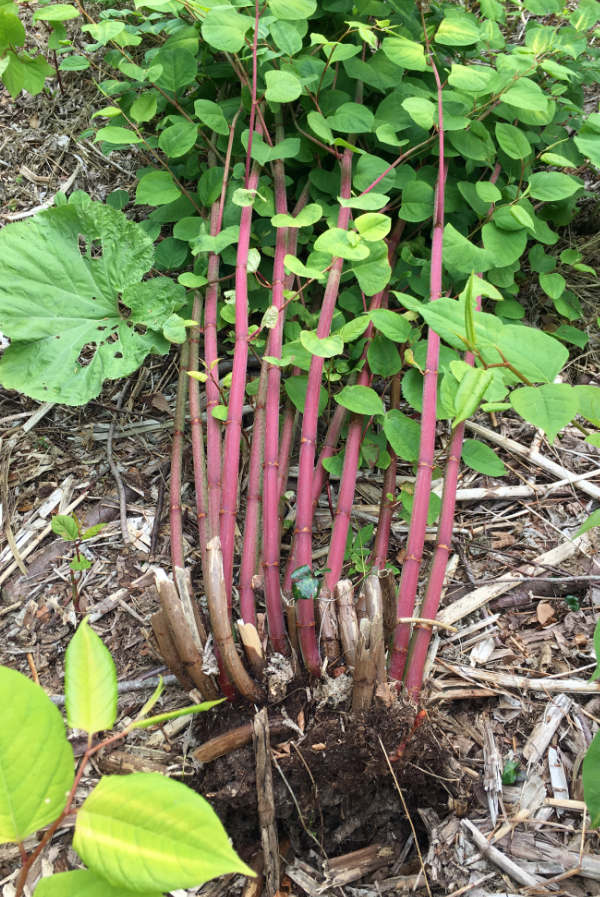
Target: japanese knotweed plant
137 834
355 197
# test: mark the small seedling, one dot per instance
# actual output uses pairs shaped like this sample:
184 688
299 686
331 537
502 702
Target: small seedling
510 772
68 527
129 830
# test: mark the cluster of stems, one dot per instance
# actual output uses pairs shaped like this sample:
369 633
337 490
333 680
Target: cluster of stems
217 460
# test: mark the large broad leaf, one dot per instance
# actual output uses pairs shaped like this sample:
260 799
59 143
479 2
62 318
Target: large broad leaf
591 780
90 682
65 277
146 832
550 407
36 760
83 883
403 434
535 354
360 400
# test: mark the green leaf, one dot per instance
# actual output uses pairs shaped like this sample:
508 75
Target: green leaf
292 9
360 400
83 883
74 64
342 244
406 53
550 407
526 94
306 217
351 118
211 115
143 107
596 674
92 531
373 273
482 458
591 781
417 201
383 357
587 140
58 297
586 15
12 31
457 30
103 32
403 434
372 226
552 186
156 188
367 202
572 335
421 111
36 760
534 353
179 68
293 265
295 388
160 718
354 328
145 831
553 285
58 12
588 399
592 521
470 392
470 78
179 138
512 141
90 682
391 323
65 526
459 253
282 87
327 347
80 563
503 247
319 126
224 28
115 134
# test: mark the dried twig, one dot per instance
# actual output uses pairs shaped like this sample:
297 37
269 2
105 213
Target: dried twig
266 802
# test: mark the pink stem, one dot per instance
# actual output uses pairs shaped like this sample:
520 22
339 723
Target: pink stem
250 549
329 446
271 537
386 510
418 522
197 436
233 432
431 602
211 358
175 516
304 507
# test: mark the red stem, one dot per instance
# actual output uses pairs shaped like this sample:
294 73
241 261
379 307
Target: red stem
271 536
198 456
386 510
304 507
175 516
250 549
418 522
233 432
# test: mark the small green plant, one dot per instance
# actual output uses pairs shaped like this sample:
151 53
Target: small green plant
139 834
591 762
68 527
358 552
510 772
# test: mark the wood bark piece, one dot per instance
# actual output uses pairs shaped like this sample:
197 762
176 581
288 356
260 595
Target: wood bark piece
498 858
554 712
266 802
229 741
251 641
492 769
389 594
353 866
347 620
536 458
219 622
167 648
185 636
328 625
374 605
509 680
365 670
476 599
